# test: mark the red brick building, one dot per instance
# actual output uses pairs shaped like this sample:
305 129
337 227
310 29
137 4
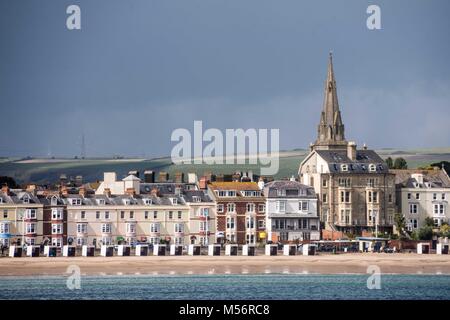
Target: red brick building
240 211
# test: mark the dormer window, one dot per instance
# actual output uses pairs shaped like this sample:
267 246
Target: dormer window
174 201
101 202
126 202
251 193
26 199
54 201
148 201
372 167
281 192
196 199
344 167
75 202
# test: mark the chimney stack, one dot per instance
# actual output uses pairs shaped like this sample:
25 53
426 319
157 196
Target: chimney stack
107 192
163 176
202 184
130 191
82 192
351 150
64 191
261 183
134 173
179 177
5 189
154 192
149 176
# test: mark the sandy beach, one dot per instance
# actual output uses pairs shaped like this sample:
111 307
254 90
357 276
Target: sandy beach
322 264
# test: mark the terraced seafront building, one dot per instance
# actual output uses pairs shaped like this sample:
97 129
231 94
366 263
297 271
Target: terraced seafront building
356 191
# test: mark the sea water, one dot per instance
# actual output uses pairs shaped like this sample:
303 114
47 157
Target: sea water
243 287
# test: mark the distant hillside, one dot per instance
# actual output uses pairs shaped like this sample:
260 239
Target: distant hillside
48 170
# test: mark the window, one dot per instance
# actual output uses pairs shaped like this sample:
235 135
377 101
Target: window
54 201
31 227
390 197
101 202
131 214
179 240
281 206
344 167
231 207
131 227
155 214
57 242
372 182
81 241
26 199
251 193
83 214
412 224
439 209
4 228
434 196
324 183
372 167
81 227
30 214
106 228
413 208
409 196
261 224
106 241
417 196
122 214
154 227
97 215
303 206
57 228
196 199
373 196
281 192
179 227
154 240
344 182
443 196
250 222
174 201
148 201
220 208
250 207
106 215
324 198
250 238
345 196
180 214
230 223
204 212
170 214
261 208
5 214
56 214
146 215
75 202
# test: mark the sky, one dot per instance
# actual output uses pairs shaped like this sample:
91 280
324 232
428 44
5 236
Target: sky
137 70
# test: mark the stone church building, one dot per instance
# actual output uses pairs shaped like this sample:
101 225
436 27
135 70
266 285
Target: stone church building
355 190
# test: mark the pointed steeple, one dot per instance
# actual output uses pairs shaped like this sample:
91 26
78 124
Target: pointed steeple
331 128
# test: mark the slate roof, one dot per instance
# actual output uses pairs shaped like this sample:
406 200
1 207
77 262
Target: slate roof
271 189
437 178
335 158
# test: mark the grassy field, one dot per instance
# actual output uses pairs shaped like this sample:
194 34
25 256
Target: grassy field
48 170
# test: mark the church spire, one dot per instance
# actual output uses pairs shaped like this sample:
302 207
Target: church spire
331 128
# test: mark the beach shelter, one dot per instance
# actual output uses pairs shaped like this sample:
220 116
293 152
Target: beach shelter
176 250
194 250
271 249
15 251
442 248
309 249
423 248
69 251
123 250
50 251
159 250
231 250
106 251
248 250
289 249
87 251
142 250
214 250
33 251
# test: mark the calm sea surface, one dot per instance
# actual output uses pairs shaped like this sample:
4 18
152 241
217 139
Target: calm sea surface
197 287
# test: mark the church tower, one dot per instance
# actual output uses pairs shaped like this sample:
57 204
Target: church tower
330 133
